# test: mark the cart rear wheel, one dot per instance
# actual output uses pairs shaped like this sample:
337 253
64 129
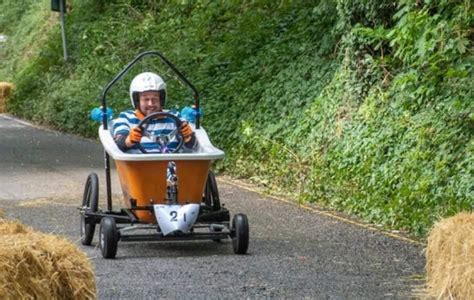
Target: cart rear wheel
240 234
211 193
109 237
90 201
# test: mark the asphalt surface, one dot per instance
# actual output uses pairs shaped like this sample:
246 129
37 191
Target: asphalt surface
293 252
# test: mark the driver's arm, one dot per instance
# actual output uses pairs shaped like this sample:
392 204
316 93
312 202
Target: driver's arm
120 141
190 140
126 142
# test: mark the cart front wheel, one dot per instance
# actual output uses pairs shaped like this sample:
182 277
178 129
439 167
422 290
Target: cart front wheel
90 201
240 234
109 237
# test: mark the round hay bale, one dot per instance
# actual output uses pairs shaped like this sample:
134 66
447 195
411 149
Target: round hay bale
450 258
35 265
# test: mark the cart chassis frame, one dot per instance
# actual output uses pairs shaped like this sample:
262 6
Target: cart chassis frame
219 219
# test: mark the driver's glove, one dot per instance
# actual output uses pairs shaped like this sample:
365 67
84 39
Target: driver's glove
186 131
134 136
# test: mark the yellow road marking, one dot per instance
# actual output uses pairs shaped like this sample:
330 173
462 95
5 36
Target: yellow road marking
325 213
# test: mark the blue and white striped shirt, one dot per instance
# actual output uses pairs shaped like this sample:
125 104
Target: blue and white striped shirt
128 119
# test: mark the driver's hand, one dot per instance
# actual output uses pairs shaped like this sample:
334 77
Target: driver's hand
134 136
186 131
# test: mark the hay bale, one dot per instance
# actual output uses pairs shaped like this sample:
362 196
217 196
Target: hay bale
450 258
34 265
12 227
5 91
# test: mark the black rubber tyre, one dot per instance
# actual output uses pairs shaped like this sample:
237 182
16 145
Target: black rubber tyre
90 200
108 237
211 193
240 234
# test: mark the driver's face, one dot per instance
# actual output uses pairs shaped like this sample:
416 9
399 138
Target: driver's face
150 103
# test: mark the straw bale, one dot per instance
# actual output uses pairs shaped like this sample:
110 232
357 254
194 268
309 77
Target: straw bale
5 90
450 258
35 265
12 227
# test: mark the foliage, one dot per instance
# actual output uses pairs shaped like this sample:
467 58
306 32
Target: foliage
364 106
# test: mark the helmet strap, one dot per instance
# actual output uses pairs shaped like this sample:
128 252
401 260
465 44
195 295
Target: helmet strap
162 98
136 100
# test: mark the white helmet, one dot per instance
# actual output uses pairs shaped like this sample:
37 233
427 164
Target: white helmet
145 82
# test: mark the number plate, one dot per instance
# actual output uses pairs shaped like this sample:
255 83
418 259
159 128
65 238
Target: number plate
173 218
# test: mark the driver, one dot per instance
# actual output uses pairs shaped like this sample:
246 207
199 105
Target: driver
148 95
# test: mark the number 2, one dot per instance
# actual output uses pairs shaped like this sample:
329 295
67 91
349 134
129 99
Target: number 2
174 215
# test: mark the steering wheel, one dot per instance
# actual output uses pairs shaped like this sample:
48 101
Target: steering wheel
162 140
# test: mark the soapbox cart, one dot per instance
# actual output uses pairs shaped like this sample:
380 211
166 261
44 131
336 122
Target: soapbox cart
167 196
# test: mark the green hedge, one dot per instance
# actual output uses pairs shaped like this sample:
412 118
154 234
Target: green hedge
363 106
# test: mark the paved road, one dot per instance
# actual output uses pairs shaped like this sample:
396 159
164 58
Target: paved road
293 253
